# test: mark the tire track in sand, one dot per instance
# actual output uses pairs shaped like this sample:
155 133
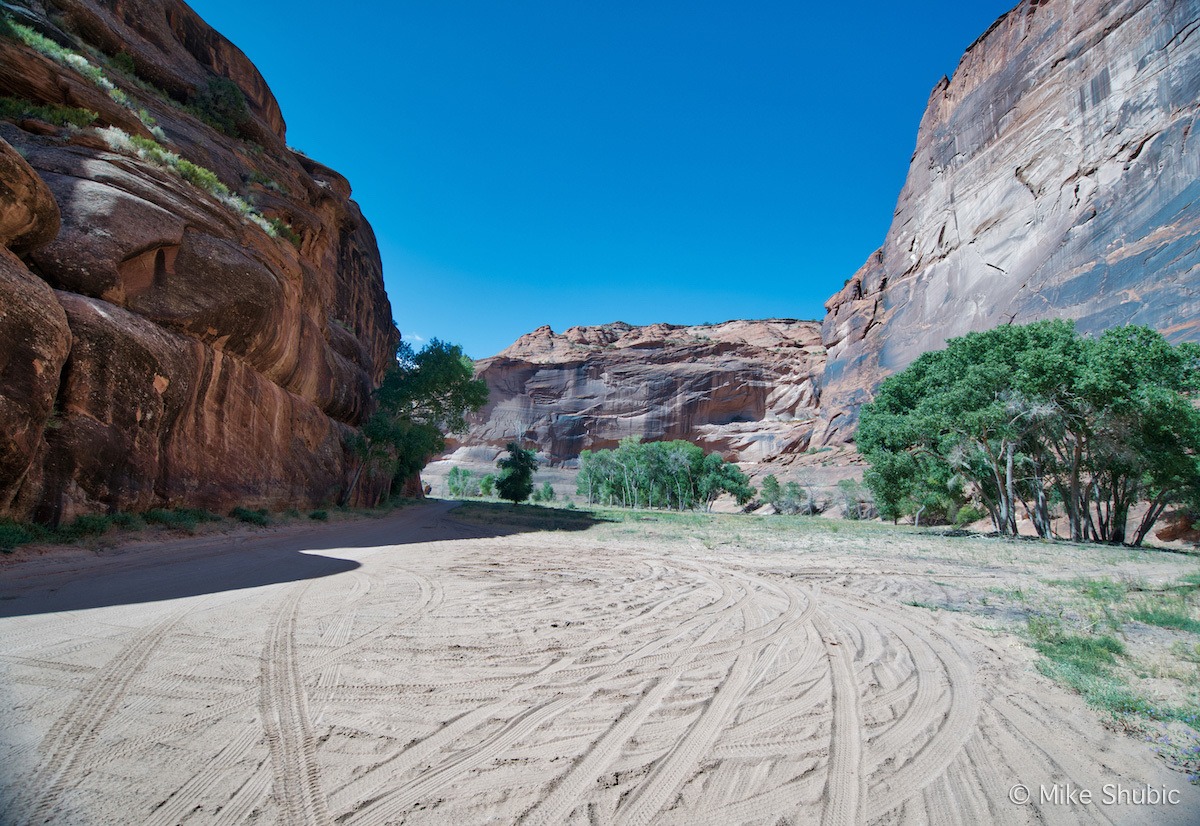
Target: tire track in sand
286 724
72 735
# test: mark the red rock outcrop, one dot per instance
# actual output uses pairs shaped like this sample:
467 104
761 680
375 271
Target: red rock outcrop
1057 174
744 388
158 345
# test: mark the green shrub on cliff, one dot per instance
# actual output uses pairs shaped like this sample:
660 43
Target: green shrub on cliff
222 105
18 109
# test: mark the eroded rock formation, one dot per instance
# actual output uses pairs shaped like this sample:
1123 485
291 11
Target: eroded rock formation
158 346
1057 174
744 388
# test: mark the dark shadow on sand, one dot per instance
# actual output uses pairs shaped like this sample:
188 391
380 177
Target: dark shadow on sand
173 568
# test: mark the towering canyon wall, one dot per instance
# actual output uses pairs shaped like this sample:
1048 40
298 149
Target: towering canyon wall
160 343
1057 174
744 388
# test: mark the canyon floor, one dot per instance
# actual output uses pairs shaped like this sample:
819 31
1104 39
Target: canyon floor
491 665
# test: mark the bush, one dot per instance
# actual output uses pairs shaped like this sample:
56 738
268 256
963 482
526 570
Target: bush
967 514
487 485
92 524
544 494
222 105
184 519
18 109
13 534
122 61
258 517
320 516
128 521
284 230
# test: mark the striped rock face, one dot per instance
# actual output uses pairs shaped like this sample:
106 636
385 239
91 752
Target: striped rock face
744 388
1055 175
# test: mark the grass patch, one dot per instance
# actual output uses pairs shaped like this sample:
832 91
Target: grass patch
184 519
1165 613
528 517
252 517
319 516
18 109
932 606
1105 591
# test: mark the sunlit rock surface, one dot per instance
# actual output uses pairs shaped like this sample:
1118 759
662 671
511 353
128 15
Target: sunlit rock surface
743 388
159 348
1057 174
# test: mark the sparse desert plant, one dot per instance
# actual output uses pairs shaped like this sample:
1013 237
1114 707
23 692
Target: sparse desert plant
184 519
18 109
252 517
319 515
88 525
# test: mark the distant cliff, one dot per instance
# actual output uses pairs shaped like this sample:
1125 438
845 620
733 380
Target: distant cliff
1057 174
744 388
191 313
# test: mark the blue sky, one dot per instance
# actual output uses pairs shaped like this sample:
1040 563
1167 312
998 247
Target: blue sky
562 163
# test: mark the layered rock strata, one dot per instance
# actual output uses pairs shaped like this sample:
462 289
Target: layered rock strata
1057 174
162 341
744 388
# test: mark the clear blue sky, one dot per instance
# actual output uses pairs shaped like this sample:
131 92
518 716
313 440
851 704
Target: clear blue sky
561 162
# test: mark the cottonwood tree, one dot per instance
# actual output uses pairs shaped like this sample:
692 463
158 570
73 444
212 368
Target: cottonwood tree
1025 418
423 396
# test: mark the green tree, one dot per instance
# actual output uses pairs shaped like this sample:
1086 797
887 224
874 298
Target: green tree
547 492
487 485
1024 417
461 483
423 396
674 474
516 474
771 491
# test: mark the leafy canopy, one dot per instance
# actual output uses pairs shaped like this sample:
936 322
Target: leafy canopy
1034 418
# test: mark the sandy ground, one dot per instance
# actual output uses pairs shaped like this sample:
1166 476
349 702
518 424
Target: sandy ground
420 669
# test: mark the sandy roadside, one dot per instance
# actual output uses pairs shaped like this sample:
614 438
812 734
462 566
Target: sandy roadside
420 669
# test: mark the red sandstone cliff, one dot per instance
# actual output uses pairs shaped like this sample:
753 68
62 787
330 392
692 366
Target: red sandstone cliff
157 345
744 388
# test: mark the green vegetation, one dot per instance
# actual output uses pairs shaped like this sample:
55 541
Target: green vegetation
789 498
545 493
282 229
674 475
222 105
17 109
73 60
196 175
320 516
253 517
461 483
1040 418
487 485
516 474
184 519
423 396
1166 612
123 62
